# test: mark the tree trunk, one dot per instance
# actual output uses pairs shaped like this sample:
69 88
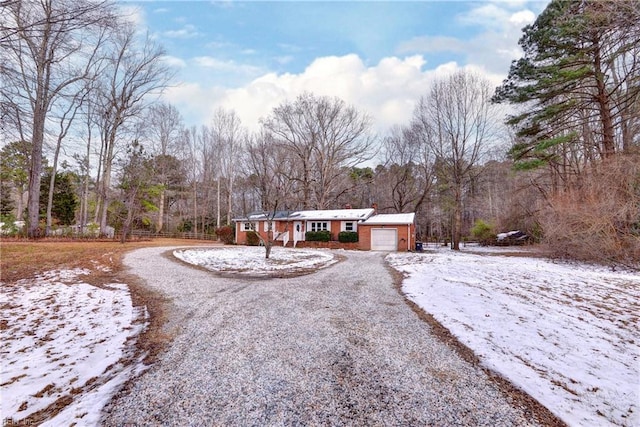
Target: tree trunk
52 184
229 200
267 249
35 174
456 226
20 207
104 191
218 204
195 208
602 98
160 212
106 180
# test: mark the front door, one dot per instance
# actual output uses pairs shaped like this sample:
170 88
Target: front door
298 231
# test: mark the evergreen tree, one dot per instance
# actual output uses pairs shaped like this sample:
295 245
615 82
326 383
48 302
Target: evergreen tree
65 200
577 81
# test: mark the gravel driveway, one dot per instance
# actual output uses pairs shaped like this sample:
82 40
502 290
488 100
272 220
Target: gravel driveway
336 347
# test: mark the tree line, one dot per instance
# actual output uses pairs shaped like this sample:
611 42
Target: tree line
79 82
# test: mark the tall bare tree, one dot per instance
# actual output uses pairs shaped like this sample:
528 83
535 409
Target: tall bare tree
408 162
229 137
459 124
323 135
134 73
165 130
65 122
47 46
266 166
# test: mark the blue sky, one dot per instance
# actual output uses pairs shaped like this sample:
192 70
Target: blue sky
378 56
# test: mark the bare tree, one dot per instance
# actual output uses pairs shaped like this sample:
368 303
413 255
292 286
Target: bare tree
164 130
65 121
133 74
323 135
408 164
194 167
266 165
47 46
229 137
459 124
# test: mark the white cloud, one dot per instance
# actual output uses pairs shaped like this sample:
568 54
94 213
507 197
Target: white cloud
488 16
174 61
186 32
388 90
522 18
493 47
226 66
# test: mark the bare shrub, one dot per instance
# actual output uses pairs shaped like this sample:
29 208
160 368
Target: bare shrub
599 221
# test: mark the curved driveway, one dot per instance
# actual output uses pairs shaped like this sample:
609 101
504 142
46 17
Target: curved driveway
336 347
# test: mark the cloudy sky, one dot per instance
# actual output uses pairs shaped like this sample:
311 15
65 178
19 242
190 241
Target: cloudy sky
379 56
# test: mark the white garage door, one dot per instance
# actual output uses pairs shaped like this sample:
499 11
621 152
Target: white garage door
384 239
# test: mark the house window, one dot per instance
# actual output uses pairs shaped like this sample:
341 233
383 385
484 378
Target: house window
246 226
319 226
348 226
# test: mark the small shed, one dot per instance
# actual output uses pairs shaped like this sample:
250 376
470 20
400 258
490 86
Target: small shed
388 232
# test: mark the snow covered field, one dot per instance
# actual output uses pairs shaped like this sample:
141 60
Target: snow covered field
64 344
567 334
250 261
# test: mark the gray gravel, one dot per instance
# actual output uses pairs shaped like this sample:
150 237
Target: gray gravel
337 347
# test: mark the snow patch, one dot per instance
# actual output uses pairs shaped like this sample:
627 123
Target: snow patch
64 340
566 334
251 261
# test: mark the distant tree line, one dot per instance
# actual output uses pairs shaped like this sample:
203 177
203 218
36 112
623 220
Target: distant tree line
78 82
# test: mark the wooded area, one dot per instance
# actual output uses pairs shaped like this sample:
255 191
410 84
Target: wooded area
87 142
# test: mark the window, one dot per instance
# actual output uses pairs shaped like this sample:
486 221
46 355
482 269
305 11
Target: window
319 226
348 226
246 226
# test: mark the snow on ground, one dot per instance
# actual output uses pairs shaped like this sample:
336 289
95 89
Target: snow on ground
64 342
251 261
567 334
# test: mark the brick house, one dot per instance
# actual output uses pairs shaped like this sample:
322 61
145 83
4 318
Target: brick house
388 232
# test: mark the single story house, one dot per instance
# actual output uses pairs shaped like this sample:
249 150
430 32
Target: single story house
388 232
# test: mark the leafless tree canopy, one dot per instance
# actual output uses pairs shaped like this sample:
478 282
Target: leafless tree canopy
134 72
457 122
47 46
322 136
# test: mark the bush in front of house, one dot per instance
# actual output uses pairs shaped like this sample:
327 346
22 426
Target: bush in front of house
317 236
225 234
252 238
347 237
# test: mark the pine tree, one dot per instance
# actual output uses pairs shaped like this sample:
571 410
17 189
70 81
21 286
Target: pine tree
577 82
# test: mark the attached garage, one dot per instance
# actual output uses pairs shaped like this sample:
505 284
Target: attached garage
384 239
388 232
